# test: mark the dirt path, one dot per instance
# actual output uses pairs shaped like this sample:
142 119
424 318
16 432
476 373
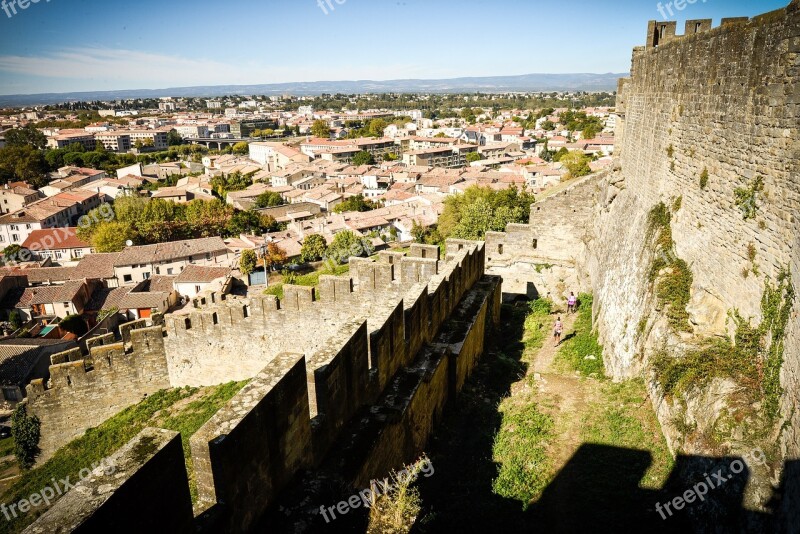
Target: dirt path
564 395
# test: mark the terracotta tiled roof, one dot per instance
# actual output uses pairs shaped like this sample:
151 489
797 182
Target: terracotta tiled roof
18 357
159 252
97 265
197 273
54 239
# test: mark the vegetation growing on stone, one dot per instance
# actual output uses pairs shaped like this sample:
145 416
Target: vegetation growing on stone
753 358
704 179
671 275
746 198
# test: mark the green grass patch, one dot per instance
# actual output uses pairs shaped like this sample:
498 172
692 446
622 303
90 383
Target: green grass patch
520 449
576 349
538 323
520 442
307 280
102 441
6 447
624 418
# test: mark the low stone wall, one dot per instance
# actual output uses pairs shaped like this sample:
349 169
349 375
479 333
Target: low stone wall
298 411
143 487
82 393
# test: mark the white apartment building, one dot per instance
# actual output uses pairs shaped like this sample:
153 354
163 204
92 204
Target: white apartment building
192 131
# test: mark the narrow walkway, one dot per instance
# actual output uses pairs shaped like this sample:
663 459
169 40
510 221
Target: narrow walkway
564 395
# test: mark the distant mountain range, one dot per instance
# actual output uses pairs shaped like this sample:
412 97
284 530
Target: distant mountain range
491 84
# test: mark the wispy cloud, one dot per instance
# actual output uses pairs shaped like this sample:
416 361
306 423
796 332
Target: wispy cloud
122 66
92 68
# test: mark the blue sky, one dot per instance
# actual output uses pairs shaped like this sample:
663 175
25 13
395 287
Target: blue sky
85 45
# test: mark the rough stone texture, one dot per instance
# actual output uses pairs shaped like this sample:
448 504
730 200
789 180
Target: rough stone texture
143 487
726 100
252 447
84 393
546 257
371 352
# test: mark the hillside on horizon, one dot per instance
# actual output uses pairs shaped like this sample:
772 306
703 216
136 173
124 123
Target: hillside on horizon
488 84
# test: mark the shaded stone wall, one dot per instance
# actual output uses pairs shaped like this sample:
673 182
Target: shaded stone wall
84 392
143 487
297 409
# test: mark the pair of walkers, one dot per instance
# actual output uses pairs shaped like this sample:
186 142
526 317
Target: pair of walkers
572 307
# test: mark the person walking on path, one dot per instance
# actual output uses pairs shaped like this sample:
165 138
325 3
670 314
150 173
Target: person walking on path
557 331
572 303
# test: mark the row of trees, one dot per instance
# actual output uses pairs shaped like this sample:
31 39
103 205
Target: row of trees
146 221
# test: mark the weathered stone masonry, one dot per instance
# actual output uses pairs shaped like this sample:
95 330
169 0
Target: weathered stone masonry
723 99
386 352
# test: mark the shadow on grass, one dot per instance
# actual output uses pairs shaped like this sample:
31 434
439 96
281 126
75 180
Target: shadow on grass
598 489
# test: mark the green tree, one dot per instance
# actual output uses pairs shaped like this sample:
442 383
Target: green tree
11 253
269 199
363 158
111 236
174 138
74 324
576 163
356 203
344 245
321 129
480 209
473 157
15 319
23 163
26 431
25 136
275 256
548 126
248 261
241 148
313 248
376 127
235 181
590 132
563 151
418 232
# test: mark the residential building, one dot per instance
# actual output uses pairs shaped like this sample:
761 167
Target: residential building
13 198
138 263
195 279
58 244
192 131
60 210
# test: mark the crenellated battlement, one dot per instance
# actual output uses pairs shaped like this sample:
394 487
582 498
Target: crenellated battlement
85 390
305 412
398 302
660 33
